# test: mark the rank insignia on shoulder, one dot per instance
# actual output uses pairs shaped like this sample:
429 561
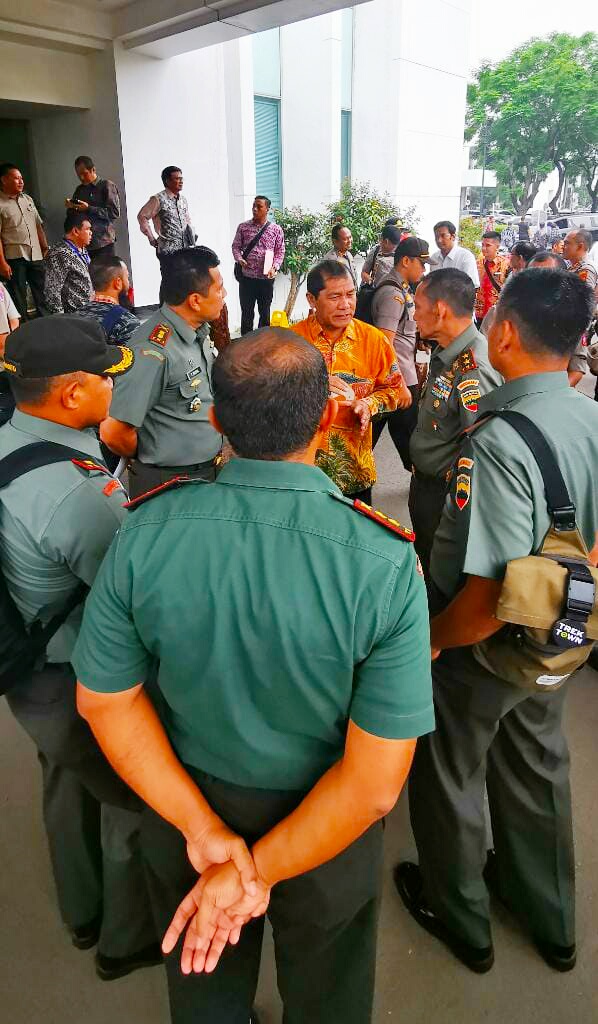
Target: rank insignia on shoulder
384 520
169 485
467 361
90 466
160 334
379 517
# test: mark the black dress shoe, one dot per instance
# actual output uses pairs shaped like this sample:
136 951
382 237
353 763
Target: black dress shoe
561 958
88 934
108 968
409 883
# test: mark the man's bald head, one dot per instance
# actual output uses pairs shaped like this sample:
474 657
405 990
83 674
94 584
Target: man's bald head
270 390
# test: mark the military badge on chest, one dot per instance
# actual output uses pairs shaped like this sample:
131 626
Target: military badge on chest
441 388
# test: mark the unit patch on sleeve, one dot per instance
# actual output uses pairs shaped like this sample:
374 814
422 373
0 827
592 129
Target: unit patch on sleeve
464 463
463 491
160 334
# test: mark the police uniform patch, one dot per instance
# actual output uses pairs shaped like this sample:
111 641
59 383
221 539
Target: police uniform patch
463 491
160 334
465 463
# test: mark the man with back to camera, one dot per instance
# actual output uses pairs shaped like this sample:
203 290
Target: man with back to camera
110 303
23 242
364 376
460 374
393 312
489 731
159 416
67 285
56 523
578 363
451 254
258 251
99 198
275 715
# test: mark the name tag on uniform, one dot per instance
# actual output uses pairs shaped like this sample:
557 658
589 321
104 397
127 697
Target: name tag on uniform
193 376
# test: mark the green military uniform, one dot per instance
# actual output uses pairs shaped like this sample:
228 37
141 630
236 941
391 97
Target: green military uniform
459 375
489 731
258 692
56 523
166 396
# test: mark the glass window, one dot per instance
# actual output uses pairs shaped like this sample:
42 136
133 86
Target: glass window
268 163
266 63
345 144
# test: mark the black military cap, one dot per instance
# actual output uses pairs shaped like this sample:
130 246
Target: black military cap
53 345
414 248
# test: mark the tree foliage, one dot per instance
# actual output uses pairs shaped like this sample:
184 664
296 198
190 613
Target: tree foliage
306 240
364 210
470 234
539 107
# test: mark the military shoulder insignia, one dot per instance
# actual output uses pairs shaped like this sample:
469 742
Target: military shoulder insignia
379 517
169 485
466 361
90 466
463 491
160 334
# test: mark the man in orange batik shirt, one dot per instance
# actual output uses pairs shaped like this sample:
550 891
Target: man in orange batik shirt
364 377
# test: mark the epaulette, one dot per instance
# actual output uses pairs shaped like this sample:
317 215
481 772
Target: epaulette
378 517
90 466
170 485
467 361
160 334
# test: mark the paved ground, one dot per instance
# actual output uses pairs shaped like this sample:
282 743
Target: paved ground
43 980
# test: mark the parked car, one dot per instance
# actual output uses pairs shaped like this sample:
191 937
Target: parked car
571 221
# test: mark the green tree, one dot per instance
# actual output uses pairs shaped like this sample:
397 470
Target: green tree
470 234
540 109
364 211
306 240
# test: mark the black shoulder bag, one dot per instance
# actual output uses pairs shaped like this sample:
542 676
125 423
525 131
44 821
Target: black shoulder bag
238 271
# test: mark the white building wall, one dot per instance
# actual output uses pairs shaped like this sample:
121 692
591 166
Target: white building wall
311 111
174 112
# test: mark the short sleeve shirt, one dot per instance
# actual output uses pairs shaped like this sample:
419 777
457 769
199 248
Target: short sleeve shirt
459 375
262 695
167 393
19 221
8 310
56 524
380 263
496 508
392 310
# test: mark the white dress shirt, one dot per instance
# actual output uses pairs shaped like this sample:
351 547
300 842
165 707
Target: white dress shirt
458 258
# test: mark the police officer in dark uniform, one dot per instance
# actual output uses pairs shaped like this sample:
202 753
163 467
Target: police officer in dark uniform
159 417
491 731
460 374
277 710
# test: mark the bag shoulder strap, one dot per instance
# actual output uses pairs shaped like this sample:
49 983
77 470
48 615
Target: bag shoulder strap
254 241
32 456
560 506
497 287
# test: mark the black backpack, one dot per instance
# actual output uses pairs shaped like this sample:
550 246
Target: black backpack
20 647
365 298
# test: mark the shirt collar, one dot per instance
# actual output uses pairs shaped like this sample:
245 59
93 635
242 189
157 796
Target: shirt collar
453 351
531 384
47 430
318 331
276 475
185 331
